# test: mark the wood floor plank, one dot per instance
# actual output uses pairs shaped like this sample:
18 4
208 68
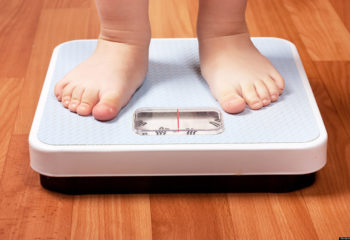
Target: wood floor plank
70 24
18 21
111 217
173 18
252 216
342 7
54 4
9 95
292 215
191 216
336 78
321 29
259 23
328 198
271 216
27 211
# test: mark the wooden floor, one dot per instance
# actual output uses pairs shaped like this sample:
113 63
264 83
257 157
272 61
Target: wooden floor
29 30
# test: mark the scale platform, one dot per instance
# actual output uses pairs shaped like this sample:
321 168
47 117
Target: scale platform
173 135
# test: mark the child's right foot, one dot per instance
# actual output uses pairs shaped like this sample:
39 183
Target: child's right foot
104 82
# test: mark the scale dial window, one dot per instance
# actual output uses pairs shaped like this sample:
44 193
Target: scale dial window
150 121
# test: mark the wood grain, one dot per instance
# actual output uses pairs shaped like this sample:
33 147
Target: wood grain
70 23
18 21
342 7
178 217
55 4
29 30
327 201
10 89
252 215
336 77
179 22
28 211
112 217
321 29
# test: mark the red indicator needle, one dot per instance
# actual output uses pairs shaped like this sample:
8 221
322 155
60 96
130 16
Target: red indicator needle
178 120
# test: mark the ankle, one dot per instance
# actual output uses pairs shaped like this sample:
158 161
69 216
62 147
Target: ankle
211 29
139 37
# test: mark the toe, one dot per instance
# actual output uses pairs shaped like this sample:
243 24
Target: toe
59 88
251 97
273 88
89 99
108 106
232 103
263 92
278 79
67 95
76 98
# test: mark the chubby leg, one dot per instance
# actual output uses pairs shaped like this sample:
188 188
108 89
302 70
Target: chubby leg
105 82
235 70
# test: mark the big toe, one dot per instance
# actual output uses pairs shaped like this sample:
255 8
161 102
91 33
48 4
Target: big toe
232 103
108 107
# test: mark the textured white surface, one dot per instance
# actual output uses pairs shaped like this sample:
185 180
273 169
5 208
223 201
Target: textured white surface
174 80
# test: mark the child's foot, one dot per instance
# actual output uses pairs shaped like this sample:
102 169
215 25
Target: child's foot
238 74
235 70
104 83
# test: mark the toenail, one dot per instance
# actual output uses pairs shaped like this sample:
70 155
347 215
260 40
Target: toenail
82 108
265 101
73 105
257 104
274 97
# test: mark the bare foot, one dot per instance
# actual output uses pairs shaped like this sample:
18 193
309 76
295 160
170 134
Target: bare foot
235 70
238 74
104 82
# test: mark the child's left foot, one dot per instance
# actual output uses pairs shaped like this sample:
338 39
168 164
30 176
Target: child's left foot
237 73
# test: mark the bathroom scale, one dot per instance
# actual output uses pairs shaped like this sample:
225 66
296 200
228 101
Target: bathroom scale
173 136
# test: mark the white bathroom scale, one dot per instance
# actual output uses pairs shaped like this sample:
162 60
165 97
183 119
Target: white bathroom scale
173 135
